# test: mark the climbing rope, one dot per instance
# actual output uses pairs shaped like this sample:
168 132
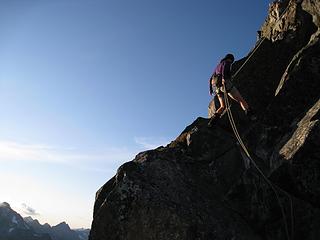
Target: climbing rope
234 128
259 44
251 54
244 148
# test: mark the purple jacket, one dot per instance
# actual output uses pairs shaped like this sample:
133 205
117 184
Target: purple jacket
224 69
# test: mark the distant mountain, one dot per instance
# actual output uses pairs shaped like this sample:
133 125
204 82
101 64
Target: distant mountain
14 227
62 231
83 233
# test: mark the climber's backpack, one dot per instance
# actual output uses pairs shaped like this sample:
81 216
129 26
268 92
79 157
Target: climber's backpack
217 80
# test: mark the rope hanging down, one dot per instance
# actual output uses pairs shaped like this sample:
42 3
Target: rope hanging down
234 128
272 186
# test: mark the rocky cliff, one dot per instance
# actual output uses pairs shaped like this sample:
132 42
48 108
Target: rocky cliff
202 186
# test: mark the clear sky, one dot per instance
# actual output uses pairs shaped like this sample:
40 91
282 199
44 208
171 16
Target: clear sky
87 84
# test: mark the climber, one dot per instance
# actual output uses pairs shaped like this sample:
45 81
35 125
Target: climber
220 81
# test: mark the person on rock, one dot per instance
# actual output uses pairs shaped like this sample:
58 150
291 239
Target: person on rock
221 81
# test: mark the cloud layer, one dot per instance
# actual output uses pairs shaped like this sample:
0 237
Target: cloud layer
29 210
150 143
14 151
97 160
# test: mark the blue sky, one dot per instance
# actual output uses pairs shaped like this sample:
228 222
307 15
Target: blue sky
86 85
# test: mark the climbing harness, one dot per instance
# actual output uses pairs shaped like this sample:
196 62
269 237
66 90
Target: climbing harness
245 150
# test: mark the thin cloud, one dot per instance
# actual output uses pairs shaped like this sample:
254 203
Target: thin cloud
150 143
14 151
29 210
97 160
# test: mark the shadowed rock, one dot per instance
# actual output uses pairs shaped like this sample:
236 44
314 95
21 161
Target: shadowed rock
202 186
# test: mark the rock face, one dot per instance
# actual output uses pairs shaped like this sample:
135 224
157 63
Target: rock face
202 186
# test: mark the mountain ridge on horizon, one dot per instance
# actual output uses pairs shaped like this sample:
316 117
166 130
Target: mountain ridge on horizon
14 226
